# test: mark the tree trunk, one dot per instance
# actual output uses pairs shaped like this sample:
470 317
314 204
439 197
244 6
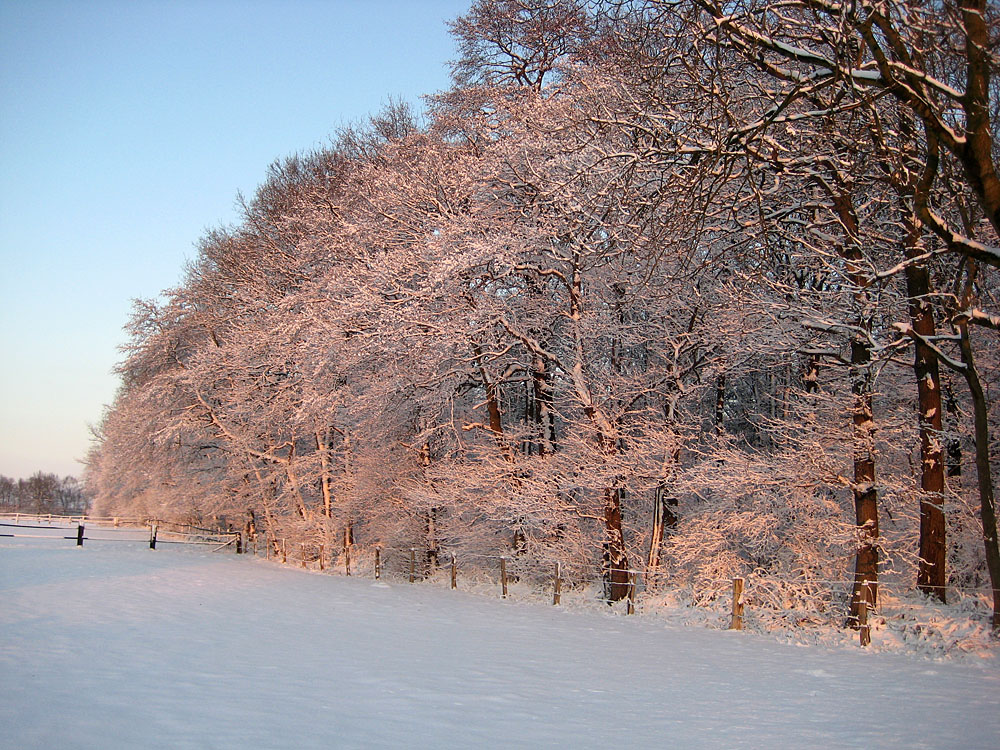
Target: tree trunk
865 493
615 556
931 573
664 503
953 444
430 517
544 413
250 527
984 474
810 376
977 155
664 519
863 417
720 402
430 528
325 481
293 481
492 389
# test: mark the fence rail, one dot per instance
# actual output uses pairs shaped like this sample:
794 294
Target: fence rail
119 529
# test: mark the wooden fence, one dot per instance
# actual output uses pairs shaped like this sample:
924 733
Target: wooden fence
747 597
404 562
113 529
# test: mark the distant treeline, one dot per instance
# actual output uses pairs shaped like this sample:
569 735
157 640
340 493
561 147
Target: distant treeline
42 493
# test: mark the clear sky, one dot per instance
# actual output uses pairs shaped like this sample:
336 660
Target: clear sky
127 127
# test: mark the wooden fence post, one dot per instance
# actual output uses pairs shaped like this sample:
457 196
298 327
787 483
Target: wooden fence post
557 586
736 623
79 535
864 630
413 563
378 563
503 576
454 571
284 551
631 594
152 536
239 543
322 566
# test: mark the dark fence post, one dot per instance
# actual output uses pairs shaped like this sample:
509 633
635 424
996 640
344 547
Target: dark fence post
503 576
79 535
378 563
454 571
152 536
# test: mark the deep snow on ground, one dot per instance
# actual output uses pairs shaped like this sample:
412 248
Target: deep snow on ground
114 645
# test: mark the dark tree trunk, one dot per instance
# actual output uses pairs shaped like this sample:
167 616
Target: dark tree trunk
931 573
528 445
545 419
864 488
430 529
810 377
615 556
250 528
492 389
987 501
323 441
953 444
430 517
720 402
865 493
664 520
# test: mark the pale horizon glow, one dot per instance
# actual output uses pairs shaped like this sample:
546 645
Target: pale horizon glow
127 130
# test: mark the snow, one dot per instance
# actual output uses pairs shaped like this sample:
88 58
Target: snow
114 645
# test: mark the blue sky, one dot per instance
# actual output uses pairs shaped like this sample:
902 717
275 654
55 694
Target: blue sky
127 127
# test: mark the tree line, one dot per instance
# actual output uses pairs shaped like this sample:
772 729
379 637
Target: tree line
43 493
697 288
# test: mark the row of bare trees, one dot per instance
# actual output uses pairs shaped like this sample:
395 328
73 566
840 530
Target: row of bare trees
695 288
42 493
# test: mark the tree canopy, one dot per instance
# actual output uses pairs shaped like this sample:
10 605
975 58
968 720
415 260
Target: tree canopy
683 287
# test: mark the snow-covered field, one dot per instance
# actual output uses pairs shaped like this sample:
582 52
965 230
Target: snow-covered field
114 645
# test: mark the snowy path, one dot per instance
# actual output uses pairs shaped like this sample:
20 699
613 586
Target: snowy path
117 646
